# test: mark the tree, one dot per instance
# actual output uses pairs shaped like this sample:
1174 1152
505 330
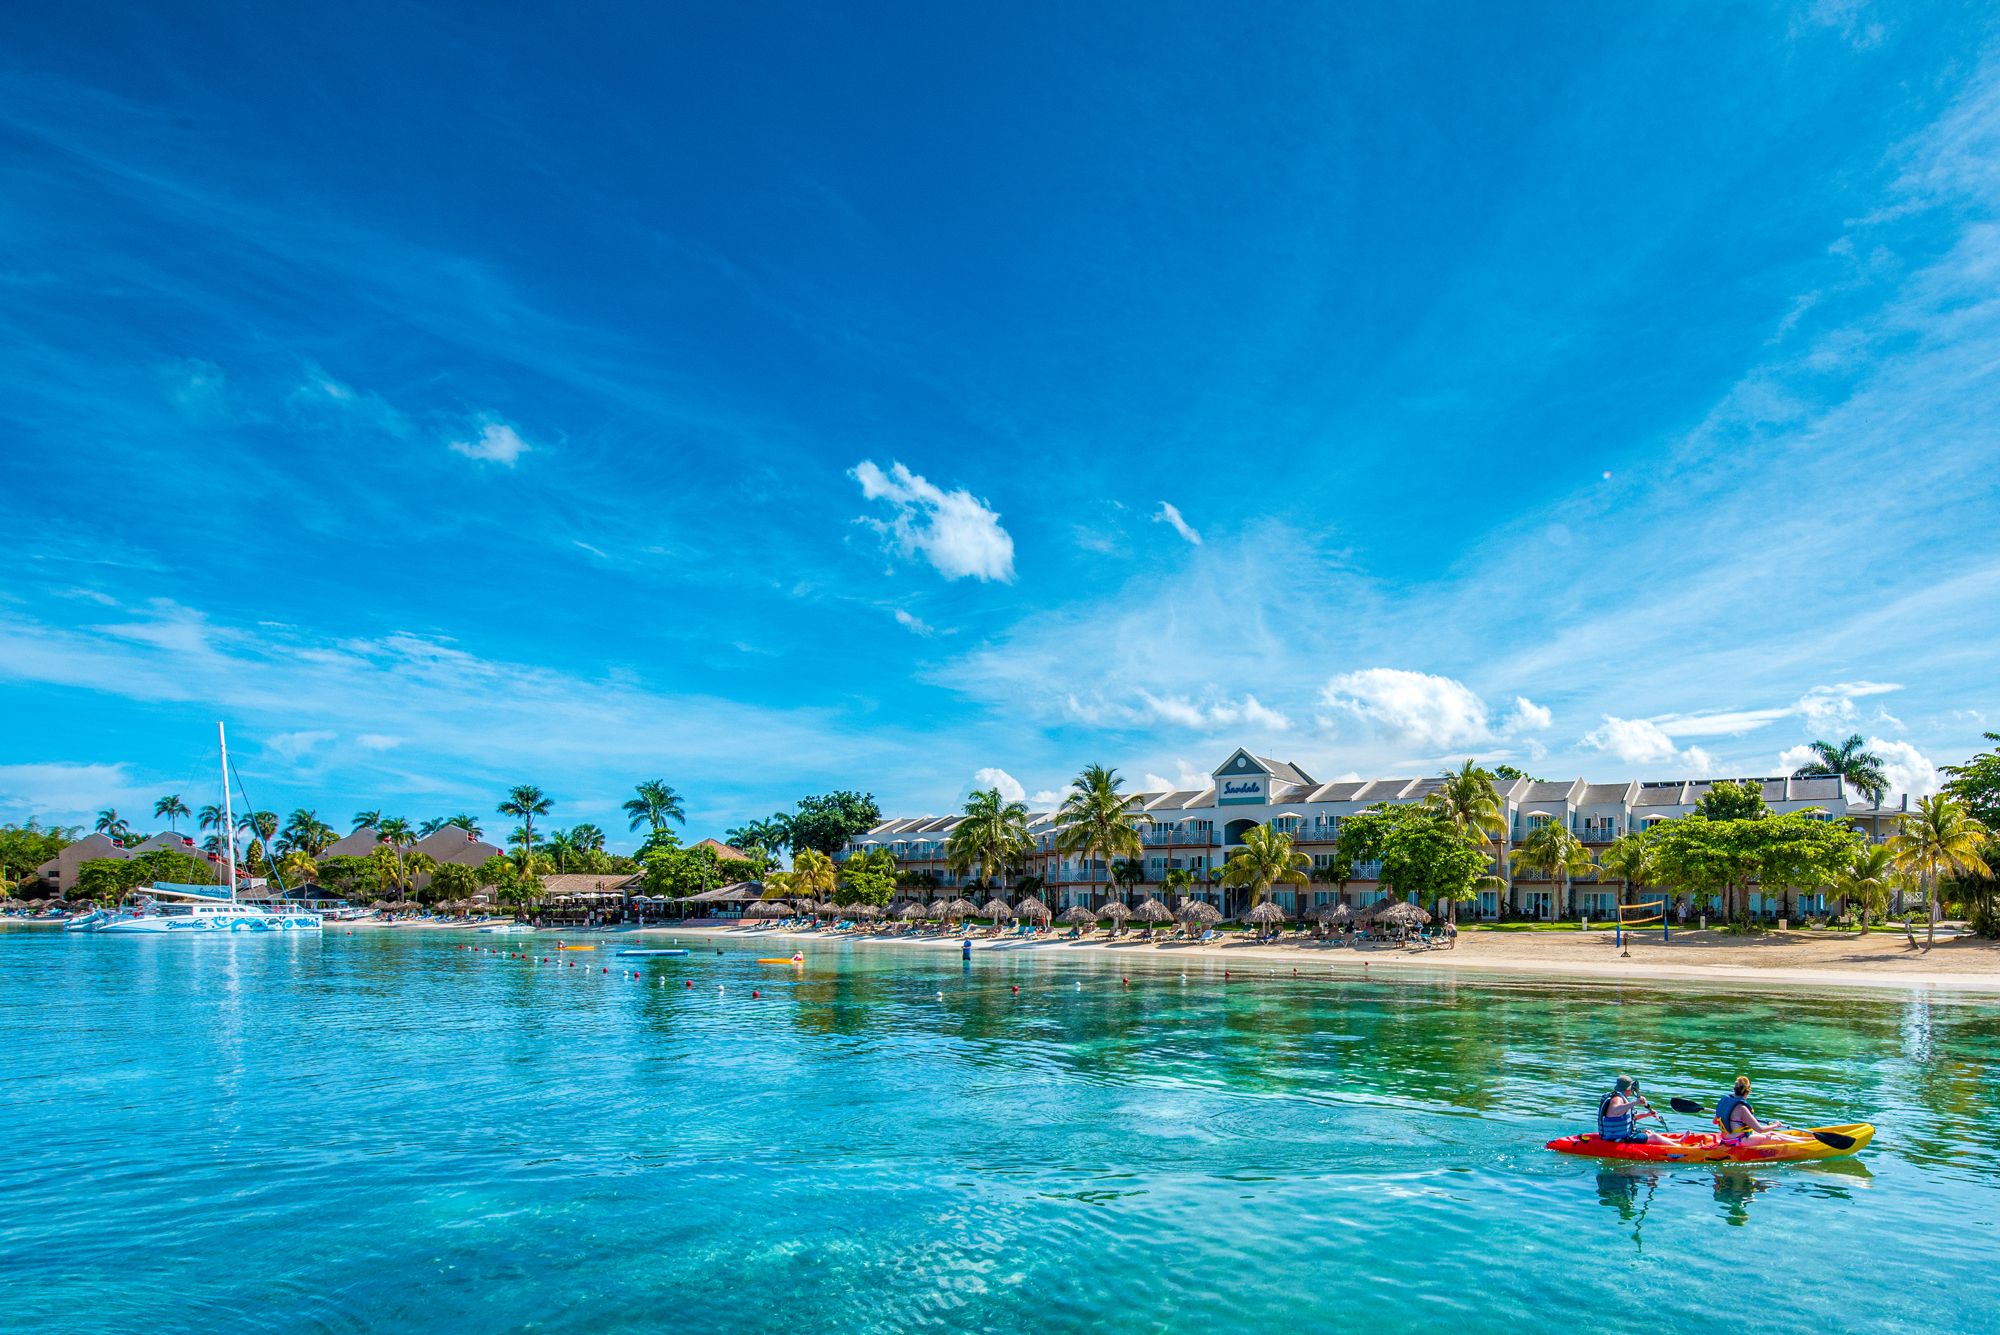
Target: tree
357 880
450 881
990 838
211 816
773 835
1723 857
1976 784
23 848
1094 822
1265 859
111 825
1868 880
1426 856
867 877
1126 873
1554 851
1728 799
524 803
1630 858
1938 838
1510 772
307 833
587 837
653 804
1470 803
364 819
1852 762
812 873
828 821
171 810
394 830
261 827
298 868
562 849
1179 883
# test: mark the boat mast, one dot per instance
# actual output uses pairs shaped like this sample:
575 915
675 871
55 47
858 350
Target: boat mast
228 816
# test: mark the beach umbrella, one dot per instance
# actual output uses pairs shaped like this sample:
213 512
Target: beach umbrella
937 908
767 908
1079 915
1152 910
1398 914
1198 910
995 908
960 908
910 912
1032 907
1266 912
1331 913
864 910
1115 911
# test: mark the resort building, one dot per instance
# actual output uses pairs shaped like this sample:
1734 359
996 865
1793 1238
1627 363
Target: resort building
1195 830
59 873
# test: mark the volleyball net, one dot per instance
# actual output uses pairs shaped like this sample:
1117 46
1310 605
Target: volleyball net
1645 914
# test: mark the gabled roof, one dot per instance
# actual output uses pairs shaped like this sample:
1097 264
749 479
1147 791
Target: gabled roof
357 845
1382 790
1341 790
1607 792
1554 790
724 851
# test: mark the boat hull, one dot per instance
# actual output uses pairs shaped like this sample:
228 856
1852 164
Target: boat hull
1708 1147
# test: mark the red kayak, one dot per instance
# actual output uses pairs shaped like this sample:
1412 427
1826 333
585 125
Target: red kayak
1821 1142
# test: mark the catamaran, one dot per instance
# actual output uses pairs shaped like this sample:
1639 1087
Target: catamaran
176 909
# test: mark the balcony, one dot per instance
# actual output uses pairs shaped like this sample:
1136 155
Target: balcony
1177 838
1597 834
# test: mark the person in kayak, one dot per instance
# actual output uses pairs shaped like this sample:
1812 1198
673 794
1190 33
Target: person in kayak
1736 1117
1618 1114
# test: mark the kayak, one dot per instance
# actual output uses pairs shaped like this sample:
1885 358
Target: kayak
785 960
650 953
1708 1147
564 945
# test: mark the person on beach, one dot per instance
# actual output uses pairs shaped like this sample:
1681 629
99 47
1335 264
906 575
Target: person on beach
1618 1113
1737 1118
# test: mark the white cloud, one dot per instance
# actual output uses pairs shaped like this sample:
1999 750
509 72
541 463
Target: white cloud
1827 708
1182 711
1169 513
498 443
1527 717
953 530
375 741
1156 783
1046 800
915 624
1414 707
289 746
993 777
61 793
1638 741
1907 769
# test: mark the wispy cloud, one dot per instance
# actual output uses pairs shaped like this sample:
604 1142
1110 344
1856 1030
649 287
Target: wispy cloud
913 623
1169 513
496 443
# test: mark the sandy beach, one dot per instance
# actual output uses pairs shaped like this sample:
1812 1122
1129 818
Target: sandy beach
1785 959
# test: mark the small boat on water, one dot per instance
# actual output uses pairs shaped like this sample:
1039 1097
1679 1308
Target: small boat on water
1820 1142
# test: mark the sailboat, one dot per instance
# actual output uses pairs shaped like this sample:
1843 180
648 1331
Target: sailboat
176 909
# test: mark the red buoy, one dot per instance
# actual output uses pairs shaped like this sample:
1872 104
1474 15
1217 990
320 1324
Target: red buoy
754 994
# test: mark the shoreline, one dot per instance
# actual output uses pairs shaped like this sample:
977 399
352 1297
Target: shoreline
1521 962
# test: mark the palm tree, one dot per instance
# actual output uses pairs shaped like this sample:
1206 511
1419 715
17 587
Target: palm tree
813 873
654 805
304 830
1471 804
1179 883
211 816
470 824
1630 858
261 827
298 867
1938 838
1869 880
170 809
1092 823
562 849
588 837
1852 762
989 838
1551 849
394 831
524 803
112 825
1126 873
1266 859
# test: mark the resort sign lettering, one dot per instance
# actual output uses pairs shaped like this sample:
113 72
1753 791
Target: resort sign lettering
1239 791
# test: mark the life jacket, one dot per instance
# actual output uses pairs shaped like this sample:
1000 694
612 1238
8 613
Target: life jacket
1618 1126
1725 1109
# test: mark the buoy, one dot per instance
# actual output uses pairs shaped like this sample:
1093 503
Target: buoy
1079 987
940 996
1126 981
754 994
690 983
607 968
1017 989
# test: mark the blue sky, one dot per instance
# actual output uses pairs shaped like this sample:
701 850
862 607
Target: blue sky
779 397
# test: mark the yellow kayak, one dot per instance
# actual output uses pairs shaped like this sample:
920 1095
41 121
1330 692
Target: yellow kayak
777 960
1788 1146
562 945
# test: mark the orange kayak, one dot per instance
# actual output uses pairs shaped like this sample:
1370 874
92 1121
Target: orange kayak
1708 1147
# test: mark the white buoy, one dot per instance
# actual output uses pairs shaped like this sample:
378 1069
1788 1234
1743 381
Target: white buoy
940 996
1079 987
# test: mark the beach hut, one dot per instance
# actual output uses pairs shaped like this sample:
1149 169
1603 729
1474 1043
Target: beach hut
863 911
1032 908
1265 914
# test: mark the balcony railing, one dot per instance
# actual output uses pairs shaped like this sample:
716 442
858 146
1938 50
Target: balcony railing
1177 838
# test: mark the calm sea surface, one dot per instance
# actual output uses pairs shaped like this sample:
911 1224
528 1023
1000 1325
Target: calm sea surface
384 1131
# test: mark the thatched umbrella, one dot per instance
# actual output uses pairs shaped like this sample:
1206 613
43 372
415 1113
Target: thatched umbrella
1266 912
937 908
995 908
1152 910
1396 913
960 908
768 908
1032 907
1079 915
1115 911
1199 910
910 912
1333 913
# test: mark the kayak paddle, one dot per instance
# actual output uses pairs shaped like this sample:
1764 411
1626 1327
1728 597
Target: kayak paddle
1830 1139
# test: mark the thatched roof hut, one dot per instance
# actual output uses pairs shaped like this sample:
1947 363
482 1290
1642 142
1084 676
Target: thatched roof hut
1032 907
1199 910
937 908
910 912
996 908
1079 915
1115 911
1396 913
1266 912
768 908
1152 910
960 908
1333 913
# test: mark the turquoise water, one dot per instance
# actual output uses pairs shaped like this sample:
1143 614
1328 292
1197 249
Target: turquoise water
385 1131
